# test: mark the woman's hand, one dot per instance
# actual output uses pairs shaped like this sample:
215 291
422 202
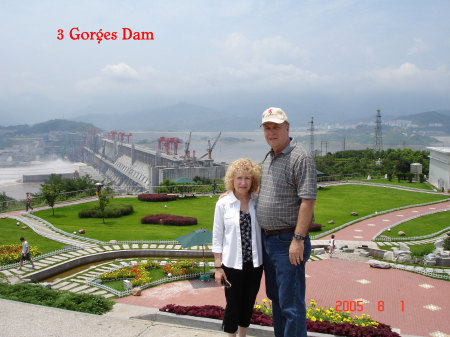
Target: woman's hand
219 275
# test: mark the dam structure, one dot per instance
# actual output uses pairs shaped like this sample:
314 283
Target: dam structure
138 166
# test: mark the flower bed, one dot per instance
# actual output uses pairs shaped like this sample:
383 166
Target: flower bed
156 197
318 319
138 273
180 268
167 219
11 253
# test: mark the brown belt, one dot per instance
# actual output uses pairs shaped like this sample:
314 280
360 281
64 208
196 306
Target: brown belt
279 231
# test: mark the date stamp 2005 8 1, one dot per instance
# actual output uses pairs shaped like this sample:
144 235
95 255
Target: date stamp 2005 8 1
356 306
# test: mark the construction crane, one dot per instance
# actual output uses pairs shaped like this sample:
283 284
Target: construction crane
210 148
187 154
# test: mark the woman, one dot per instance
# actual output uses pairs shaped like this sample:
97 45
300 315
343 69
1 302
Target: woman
237 245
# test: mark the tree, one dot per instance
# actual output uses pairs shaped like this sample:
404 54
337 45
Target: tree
104 195
50 191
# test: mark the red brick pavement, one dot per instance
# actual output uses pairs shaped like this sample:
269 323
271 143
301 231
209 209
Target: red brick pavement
334 280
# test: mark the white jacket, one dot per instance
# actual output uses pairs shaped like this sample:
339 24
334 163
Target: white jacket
227 232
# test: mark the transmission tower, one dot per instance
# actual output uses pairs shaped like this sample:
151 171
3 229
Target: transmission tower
378 146
311 140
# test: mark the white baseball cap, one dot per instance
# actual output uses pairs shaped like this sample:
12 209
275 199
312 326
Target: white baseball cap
274 115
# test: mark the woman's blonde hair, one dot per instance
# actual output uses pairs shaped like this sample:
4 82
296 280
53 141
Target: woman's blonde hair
243 165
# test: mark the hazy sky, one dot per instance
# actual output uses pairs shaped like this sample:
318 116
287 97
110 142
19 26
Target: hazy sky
327 58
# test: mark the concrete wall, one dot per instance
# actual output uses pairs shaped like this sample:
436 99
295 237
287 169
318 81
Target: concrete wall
439 175
40 178
65 266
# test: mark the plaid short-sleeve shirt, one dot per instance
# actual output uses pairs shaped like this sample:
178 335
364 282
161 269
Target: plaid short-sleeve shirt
286 179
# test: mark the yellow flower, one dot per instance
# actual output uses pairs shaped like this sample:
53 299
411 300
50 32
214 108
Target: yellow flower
264 300
313 319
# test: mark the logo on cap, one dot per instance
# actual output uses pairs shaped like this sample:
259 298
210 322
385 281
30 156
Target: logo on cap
270 111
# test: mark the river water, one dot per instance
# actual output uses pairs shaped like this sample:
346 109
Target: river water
11 176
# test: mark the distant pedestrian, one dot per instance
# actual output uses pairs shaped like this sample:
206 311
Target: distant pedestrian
28 203
332 245
25 253
214 188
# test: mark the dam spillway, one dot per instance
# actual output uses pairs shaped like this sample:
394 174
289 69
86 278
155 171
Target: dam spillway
139 166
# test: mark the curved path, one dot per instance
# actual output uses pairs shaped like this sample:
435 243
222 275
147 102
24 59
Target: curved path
367 229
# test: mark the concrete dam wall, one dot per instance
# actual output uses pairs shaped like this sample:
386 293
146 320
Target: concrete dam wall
134 165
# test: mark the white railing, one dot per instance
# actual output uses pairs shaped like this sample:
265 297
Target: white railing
95 241
95 282
422 272
40 257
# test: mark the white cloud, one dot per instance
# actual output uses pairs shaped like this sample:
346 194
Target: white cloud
408 76
111 76
417 47
120 72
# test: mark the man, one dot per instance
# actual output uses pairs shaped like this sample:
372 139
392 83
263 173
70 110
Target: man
285 211
25 253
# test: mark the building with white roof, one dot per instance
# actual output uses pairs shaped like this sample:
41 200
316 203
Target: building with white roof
439 174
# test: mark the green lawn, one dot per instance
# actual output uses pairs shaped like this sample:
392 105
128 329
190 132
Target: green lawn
402 183
416 250
424 225
129 227
337 202
333 203
10 233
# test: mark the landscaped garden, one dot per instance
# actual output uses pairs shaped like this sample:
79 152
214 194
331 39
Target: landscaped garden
11 247
333 203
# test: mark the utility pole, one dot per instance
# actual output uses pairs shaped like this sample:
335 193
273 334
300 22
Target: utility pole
378 145
311 141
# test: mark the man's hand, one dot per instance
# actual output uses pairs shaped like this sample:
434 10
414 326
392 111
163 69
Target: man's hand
219 275
296 251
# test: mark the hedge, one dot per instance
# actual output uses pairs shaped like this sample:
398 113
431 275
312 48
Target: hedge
111 211
156 197
167 219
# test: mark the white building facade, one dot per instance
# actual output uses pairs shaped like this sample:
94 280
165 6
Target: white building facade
439 174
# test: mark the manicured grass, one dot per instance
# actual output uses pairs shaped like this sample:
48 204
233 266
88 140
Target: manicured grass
416 250
333 203
11 233
337 202
129 227
424 225
401 183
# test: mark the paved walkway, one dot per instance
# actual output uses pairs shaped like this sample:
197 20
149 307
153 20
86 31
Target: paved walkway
412 303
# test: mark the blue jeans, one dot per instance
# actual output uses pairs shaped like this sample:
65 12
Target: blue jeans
285 285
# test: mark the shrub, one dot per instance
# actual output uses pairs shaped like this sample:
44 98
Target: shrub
167 219
446 245
156 197
36 294
111 211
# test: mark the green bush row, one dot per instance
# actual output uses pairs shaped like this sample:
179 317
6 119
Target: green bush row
111 211
36 294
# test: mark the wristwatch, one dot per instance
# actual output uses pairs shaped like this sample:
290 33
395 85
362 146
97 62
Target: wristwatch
299 237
